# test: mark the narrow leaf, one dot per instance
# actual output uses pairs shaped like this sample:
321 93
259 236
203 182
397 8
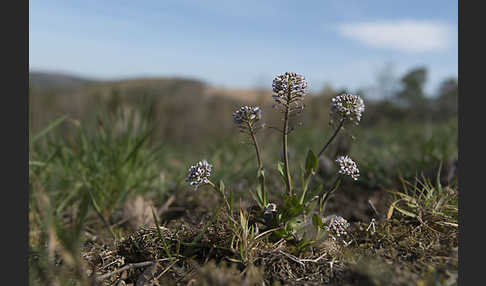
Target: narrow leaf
311 163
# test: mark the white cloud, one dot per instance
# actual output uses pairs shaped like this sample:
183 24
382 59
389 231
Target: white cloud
403 35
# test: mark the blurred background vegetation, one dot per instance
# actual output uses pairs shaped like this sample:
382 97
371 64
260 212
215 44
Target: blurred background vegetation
405 129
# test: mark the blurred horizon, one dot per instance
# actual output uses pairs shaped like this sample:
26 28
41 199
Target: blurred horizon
345 44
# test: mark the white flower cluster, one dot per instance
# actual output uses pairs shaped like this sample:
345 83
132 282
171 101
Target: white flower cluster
348 167
336 225
270 208
348 106
292 83
199 174
269 213
247 114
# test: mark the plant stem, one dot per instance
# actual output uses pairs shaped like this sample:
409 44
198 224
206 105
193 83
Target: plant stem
255 143
223 196
336 183
285 143
259 160
341 123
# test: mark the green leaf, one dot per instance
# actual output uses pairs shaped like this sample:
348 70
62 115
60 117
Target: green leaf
407 213
221 186
327 195
36 163
49 128
439 186
311 163
315 191
317 221
261 173
82 214
257 199
259 194
159 233
261 187
302 244
280 168
291 207
137 146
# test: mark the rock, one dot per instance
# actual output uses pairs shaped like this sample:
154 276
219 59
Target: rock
138 212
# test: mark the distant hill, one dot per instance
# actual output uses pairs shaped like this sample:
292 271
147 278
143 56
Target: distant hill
66 84
245 95
48 80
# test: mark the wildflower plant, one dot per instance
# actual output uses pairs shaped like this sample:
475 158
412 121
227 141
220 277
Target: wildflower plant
246 118
298 204
347 107
199 174
348 167
336 226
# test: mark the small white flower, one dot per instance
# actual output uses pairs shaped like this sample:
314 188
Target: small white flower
269 213
289 87
271 208
199 174
247 114
348 167
347 106
336 225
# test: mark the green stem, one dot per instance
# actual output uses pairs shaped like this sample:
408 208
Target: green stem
324 200
341 123
223 195
304 188
259 159
255 143
285 146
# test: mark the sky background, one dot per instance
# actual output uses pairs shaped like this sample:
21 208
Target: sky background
244 44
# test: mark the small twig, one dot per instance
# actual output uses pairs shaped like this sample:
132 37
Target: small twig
119 282
292 257
166 206
346 244
109 264
166 269
331 264
298 260
370 203
126 267
122 221
267 232
314 260
278 129
372 226
426 225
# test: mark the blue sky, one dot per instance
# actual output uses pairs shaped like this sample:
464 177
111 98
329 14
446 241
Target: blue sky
244 44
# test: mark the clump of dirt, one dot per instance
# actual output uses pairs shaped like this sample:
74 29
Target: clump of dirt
393 252
398 251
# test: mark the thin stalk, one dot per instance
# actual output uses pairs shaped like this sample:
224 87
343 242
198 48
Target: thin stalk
255 143
259 158
324 200
285 146
341 123
223 195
